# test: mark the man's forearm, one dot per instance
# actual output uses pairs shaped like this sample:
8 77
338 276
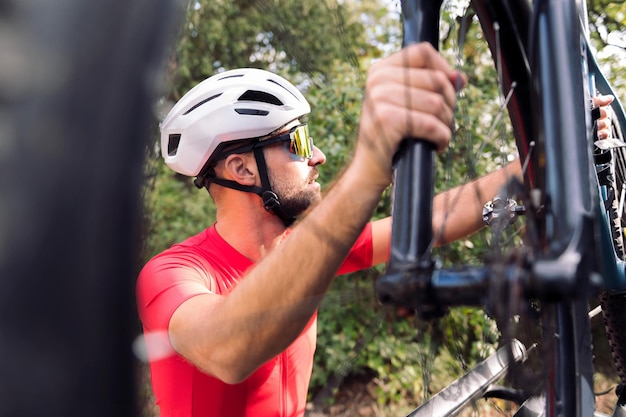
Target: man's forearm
300 268
458 212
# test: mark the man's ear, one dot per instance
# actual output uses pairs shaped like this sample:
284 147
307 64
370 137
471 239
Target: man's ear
241 168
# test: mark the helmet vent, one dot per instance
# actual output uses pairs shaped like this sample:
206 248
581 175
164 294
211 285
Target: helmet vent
252 112
285 88
260 96
231 76
195 106
172 144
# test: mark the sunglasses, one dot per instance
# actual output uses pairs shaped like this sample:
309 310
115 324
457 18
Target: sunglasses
300 143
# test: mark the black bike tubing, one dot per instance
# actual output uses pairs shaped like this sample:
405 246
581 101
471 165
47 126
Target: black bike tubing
414 176
568 356
563 123
408 280
76 98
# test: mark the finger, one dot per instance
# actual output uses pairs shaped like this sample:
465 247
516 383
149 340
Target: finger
603 100
423 55
419 55
395 121
415 99
430 128
459 80
413 112
603 124
604 113
603 134
417 78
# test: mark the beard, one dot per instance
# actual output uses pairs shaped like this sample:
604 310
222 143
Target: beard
295 205
295 198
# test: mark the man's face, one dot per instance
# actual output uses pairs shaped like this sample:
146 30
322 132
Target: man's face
292 178
296 193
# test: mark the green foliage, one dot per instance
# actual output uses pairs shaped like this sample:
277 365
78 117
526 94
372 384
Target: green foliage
334 117
286 36
607 18
177 208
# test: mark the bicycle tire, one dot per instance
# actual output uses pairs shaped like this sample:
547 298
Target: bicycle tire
614 314
616 226
76 92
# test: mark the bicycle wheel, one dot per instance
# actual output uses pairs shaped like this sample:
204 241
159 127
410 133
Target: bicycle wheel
573 351
75 104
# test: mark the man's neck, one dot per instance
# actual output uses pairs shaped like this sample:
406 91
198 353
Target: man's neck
253 235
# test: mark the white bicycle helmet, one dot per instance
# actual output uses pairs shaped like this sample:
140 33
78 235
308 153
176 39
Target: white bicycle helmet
232 106
236 104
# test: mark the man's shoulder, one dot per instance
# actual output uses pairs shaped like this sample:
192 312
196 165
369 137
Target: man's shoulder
204 258
198 246
207 239
205 252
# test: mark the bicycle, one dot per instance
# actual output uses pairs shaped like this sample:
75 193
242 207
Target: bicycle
572 200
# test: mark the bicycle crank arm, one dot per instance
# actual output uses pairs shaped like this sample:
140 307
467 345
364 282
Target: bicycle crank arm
455 397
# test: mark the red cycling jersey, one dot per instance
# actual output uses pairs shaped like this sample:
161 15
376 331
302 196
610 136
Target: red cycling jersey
206 263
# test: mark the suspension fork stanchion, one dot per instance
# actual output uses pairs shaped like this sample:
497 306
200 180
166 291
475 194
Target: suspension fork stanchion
410 266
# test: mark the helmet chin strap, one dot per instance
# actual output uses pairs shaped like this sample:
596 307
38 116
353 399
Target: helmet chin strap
269 197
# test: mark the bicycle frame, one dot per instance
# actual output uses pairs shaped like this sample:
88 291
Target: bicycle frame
565 266
473 385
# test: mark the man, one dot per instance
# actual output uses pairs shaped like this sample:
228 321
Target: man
238 301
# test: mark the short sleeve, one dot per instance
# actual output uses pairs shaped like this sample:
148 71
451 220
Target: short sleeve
361 254
164 283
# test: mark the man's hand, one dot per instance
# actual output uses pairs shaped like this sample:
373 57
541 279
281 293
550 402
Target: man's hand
604 122
410 94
